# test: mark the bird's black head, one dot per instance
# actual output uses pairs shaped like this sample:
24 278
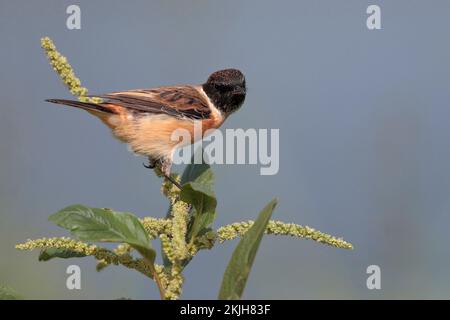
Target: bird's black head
226 89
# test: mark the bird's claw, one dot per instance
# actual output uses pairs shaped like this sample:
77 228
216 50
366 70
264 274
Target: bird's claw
149 166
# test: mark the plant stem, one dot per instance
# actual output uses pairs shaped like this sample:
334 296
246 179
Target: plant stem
162 292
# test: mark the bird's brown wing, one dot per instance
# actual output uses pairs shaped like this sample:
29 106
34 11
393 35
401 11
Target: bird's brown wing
178 101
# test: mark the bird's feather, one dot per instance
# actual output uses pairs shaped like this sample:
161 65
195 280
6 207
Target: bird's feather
178 101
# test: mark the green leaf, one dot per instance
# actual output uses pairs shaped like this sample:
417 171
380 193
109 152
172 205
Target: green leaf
6 293
105 225
50 253
238 269
194 171
198 190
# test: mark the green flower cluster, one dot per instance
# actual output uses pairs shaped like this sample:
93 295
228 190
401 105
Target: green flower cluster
65 71
120 255
156 227
59 243
234 230
180 215
172 280
173 241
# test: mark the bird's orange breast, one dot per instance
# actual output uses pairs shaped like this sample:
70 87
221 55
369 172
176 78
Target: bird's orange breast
155 134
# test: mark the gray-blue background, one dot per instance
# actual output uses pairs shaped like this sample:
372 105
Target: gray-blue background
363 118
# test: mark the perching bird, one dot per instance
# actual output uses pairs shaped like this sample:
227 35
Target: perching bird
146 118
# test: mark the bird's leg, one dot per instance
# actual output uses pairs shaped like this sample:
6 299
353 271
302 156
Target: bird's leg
163 165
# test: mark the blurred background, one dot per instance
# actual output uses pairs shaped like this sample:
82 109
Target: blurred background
364 151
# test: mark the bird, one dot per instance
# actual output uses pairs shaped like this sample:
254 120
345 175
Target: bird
146 118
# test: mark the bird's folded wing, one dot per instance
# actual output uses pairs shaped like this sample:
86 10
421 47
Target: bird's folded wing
179 101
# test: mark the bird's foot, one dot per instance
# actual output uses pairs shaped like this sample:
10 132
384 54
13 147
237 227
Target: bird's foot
151 164
163 169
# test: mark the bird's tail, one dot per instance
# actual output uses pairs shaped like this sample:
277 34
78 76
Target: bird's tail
82 105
